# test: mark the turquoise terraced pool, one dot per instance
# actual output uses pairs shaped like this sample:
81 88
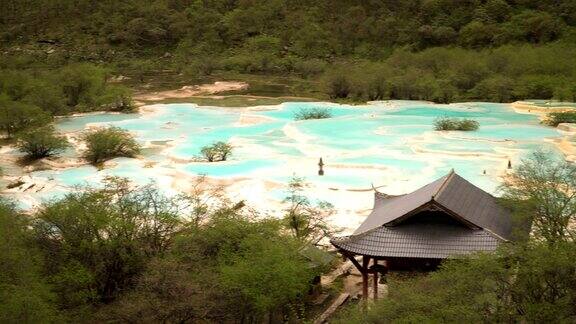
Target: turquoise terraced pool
381 144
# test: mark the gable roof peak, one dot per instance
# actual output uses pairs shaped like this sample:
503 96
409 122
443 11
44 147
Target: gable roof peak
447 179
453 193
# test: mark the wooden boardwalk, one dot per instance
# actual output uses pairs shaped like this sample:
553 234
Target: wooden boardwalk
333 307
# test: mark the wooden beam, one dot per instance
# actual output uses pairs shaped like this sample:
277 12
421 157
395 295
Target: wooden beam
365 262
353 260
375 286
364 271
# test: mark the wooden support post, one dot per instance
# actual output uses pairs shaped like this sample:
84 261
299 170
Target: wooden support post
375 284
352 259
365 262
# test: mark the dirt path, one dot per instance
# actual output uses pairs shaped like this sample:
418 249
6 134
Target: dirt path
193 90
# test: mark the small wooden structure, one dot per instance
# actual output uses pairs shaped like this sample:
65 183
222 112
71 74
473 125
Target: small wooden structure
444 219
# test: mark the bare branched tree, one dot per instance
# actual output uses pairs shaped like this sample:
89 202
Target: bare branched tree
543 190
305 219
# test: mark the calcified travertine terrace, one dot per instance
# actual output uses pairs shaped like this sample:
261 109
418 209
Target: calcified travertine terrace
389 145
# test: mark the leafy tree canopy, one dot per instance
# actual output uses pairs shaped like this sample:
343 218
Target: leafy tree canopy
41 142
108 143
25 296
18 116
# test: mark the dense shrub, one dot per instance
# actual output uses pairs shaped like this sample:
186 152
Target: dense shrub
468 125
98 240
450 124
117 99
41 142
553 119
71 88
229 269
503 74
82 84
338 85
496 89
200 67
312 113
17 116
311 67
25 295
216 152
107 143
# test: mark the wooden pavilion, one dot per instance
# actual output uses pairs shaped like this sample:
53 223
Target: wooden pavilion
444 219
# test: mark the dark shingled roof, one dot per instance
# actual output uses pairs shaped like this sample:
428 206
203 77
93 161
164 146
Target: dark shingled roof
480 223
453 193
389 208
418 241
475 205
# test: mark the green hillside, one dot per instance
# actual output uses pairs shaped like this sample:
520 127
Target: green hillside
442 50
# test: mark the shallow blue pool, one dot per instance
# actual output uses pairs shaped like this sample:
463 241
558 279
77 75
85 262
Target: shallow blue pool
395 137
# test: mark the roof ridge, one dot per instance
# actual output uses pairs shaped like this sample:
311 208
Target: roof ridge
484 191
490 232
444 184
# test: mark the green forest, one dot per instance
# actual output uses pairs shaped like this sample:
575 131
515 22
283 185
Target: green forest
125 253
437 50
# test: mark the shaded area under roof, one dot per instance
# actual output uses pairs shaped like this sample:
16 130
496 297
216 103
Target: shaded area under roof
389 208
